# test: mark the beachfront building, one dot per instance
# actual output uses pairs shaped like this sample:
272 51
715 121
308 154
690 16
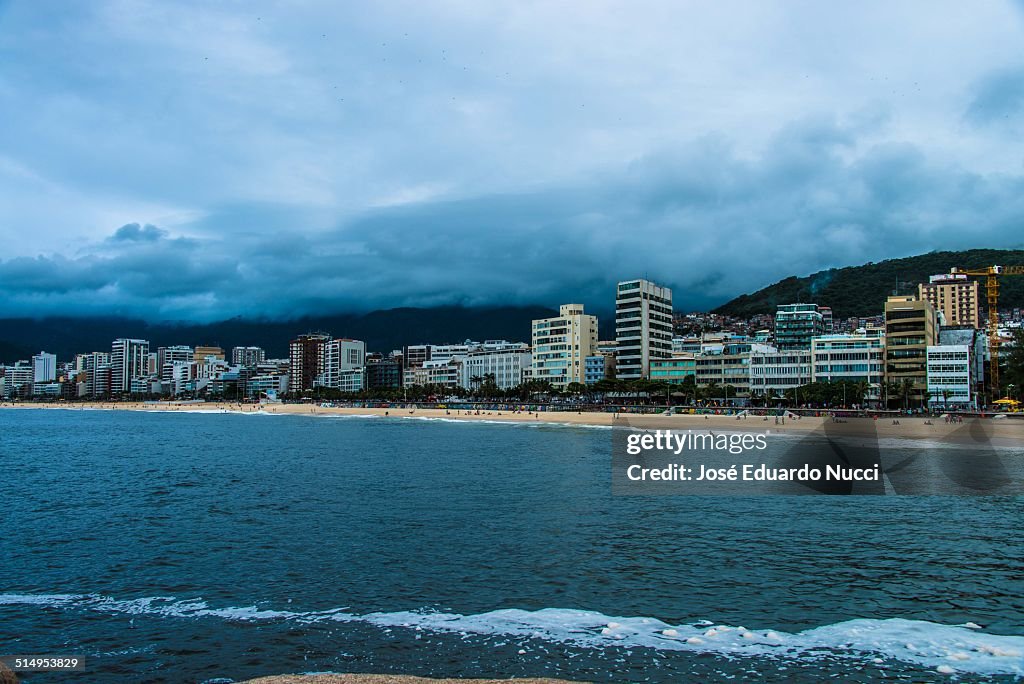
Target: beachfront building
951 377
92 374
728 370
643 327
773 372
248 357
269 385
18 379
506 362
797 324
561 346
675 369
439 372
44 367
307 354
851 357
129 366
383 374
911 326
167 357
954 295
341 356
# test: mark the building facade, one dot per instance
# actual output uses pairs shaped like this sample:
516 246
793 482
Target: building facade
797 324
129 366
954 295
561 346
508 366
307 354
44 367
676 369
773 372
249 357
856 358
340 357
911 326
643 327
951 378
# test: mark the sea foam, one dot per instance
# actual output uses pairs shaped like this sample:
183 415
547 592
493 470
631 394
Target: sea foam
943 648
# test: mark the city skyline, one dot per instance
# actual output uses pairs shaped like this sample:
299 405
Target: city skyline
198 163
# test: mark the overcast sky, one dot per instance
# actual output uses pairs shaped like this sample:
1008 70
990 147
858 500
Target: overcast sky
179 160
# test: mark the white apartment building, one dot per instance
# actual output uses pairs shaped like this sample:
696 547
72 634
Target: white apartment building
857 357
166 357
443 372
129 366
91 373
561 345
773 371
16 377
341 355
643 327
268 384
506 363
950 376
44 367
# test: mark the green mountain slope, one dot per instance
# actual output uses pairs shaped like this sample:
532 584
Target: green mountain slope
861 290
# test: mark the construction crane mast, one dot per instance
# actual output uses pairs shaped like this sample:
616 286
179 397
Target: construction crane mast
992 275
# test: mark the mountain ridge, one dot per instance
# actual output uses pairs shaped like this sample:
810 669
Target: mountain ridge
861 290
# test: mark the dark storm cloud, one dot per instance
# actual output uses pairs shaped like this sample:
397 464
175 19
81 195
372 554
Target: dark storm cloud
701 217
999 98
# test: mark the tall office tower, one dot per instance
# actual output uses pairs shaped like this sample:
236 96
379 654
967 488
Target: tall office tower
643 327
956 296
561 346
129 366
307 355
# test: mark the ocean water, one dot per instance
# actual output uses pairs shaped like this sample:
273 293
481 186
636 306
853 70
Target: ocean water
199 547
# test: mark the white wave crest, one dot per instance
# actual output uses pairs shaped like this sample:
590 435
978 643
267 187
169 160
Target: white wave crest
945 648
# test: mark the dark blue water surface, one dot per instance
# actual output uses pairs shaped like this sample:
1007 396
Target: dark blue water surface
187 547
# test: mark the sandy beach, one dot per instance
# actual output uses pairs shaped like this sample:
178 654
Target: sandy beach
1003 432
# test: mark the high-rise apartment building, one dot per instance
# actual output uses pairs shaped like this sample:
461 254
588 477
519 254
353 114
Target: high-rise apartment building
911 326
307 354
129 366
166 357
44 367
341 356
248 356
956 296
643 327
797 324
561 346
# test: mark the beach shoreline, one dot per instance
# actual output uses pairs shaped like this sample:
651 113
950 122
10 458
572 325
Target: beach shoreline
1003 433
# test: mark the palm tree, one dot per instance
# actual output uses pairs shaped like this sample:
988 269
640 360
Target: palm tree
946 394
906 388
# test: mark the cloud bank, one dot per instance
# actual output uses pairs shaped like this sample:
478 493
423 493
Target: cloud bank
197 162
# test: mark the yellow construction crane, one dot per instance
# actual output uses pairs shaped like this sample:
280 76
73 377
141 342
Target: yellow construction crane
992 275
